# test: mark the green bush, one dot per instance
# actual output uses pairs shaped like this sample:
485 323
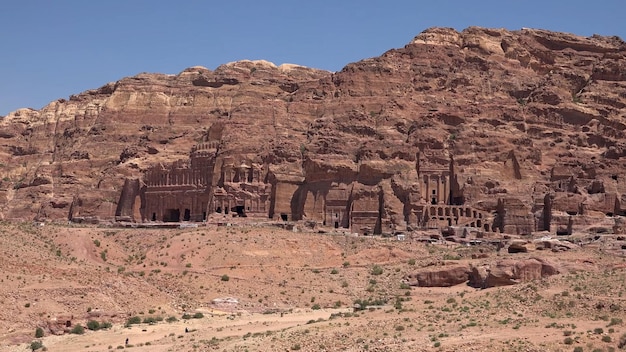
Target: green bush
606 338
377 270
78 329
39 333
225 277
149 320
188 316
93 325
133 320
568 341
35 345
578 349
615 321
171 319
316 307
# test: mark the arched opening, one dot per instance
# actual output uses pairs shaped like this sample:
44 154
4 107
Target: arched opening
187 215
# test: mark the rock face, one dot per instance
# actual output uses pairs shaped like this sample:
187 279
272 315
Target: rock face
492 274
508 131
510 272
440 277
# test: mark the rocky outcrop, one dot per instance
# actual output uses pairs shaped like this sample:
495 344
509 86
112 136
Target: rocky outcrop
513 131
440 277
509 272
501 273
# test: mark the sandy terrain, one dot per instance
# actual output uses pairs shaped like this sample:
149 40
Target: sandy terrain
291 291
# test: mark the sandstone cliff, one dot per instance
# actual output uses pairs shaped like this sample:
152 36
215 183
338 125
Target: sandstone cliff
524 130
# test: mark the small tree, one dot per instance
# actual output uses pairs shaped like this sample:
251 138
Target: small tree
39 333
225 277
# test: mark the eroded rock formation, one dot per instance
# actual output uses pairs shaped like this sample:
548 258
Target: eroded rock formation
506 131
500 273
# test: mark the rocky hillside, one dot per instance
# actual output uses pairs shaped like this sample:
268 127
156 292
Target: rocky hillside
532 119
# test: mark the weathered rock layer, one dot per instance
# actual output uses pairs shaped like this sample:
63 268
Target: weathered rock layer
510 131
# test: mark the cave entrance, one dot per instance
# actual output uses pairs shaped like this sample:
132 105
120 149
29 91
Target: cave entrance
284 217
240 209
153 216
171 215
187 215
336 224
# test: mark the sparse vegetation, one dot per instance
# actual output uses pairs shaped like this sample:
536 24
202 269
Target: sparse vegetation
35 345
133 320
377 270
78 329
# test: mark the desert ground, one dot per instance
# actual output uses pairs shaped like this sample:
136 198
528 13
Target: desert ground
248 287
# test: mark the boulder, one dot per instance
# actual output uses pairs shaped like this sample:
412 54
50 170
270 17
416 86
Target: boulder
439 277
518 247
510 272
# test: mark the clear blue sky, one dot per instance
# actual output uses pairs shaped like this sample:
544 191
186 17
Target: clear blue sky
52 49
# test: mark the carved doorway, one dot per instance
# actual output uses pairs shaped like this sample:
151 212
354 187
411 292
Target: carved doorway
171 215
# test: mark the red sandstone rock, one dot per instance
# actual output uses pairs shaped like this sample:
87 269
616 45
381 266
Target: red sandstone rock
504 131
510 272
440 277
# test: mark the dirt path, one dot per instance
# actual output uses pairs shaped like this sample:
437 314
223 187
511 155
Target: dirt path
163 336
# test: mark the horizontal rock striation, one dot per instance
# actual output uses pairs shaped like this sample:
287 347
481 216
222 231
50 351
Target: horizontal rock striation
505 131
